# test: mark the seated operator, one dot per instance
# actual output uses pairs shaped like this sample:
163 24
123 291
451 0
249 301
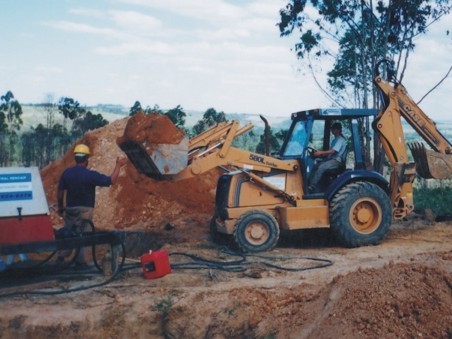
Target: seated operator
333 158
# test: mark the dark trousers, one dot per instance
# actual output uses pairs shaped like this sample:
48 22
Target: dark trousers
319 169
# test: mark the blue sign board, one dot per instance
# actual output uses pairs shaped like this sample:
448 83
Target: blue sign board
15 186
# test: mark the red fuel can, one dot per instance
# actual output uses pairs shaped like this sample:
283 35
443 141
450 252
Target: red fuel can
155 264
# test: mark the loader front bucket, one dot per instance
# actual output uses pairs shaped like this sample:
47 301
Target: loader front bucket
154 145
163 160
431 164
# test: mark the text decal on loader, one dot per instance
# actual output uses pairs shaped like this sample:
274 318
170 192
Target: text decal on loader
256 158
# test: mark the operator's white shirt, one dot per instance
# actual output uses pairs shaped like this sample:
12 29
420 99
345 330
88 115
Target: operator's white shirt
339 144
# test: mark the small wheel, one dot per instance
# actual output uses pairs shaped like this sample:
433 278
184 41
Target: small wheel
256 231
109 258
360 214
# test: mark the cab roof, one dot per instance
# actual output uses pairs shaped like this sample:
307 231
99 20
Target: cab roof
337 113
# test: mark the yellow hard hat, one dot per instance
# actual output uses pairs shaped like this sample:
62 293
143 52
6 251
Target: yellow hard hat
82 149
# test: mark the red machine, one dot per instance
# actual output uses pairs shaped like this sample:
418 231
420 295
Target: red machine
24 213
26 227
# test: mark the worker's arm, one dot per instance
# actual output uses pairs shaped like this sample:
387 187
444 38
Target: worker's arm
323 153
120 162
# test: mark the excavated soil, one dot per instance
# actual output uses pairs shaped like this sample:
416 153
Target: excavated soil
401 288
151 129
136 202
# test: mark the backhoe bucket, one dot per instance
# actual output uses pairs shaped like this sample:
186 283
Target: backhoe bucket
431 164
162 160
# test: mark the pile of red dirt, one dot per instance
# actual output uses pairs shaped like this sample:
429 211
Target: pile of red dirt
152 129
136 201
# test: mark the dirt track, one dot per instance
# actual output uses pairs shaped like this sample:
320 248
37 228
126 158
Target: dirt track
401 288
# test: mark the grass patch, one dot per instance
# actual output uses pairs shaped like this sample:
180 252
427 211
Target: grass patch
437 199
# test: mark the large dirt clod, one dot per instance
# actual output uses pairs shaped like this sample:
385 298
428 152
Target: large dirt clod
152 129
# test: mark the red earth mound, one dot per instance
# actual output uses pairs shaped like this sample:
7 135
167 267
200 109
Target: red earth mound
136 201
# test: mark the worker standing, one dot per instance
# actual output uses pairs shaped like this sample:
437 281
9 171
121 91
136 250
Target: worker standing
79 183
333 158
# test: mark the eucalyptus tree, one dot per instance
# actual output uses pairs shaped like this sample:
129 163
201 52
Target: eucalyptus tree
177 116
69 108
10 124
82 119
135 108
85 122
352 36
210 118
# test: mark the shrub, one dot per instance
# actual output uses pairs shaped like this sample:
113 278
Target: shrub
437 199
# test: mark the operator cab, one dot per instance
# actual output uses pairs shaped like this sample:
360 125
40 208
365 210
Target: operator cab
311 130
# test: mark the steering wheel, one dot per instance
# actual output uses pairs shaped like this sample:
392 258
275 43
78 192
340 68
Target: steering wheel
310 151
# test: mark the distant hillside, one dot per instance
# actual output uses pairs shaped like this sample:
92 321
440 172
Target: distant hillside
35 114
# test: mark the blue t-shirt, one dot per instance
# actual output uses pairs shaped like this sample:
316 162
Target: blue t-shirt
80 185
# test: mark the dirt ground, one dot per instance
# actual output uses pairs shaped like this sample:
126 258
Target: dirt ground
401 288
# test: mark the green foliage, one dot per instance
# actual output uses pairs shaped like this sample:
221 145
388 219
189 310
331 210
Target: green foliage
164 307
437 199
247 141
135 108
148 110
47 141
282 134
86 122
10 124
41 145
273 143
177 116
82 120
210 118
70 108
156 109
354 35
363 32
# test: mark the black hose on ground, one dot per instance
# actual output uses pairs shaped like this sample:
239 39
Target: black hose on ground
196 262
243 264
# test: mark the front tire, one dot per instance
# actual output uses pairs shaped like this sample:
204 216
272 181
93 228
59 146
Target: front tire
256 231
360 214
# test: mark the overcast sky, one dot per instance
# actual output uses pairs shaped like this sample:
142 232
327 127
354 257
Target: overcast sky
225 54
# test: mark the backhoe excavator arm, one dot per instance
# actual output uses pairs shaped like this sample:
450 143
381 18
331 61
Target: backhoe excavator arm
388 125
402 104
429 164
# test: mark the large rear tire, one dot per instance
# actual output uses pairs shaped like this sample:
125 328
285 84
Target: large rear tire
256 231
360 214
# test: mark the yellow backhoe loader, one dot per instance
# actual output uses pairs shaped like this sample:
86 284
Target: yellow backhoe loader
260 195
